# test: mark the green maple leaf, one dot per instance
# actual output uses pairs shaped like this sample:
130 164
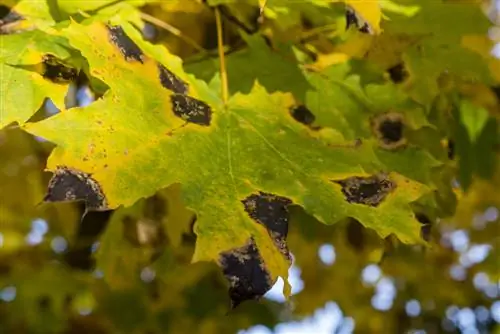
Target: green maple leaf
26 64
240 165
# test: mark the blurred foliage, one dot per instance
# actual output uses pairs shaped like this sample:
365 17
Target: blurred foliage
407 87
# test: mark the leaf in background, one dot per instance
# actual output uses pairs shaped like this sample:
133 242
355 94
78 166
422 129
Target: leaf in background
163 134
260 63
440 27
473 118
32 67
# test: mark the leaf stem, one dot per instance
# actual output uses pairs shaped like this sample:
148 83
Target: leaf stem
173 30
220 48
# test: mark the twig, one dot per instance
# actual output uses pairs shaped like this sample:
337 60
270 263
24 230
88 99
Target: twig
220 47
173 30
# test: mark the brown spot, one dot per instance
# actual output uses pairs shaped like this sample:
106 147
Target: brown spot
57 71
172 82
72 185
245 271
191 109
127 47
389 129
370 190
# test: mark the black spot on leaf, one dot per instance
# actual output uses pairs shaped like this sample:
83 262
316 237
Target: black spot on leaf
389 128
272 212
72 185
352 19
302 114
127 47
370 190
57 71
398 73
191 109
171 81
269 210
245 271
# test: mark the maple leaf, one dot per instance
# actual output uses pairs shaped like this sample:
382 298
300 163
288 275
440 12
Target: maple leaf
32 69
240 166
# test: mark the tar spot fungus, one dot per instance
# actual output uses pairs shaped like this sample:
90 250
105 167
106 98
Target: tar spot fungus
56 71
171 81
245 271
72 185
370 190
353 19
191 109
302 114
272 212
269 210
389 129
398 73
127 47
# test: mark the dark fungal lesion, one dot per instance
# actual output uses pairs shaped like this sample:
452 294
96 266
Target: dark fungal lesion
353 19
302 114
191 110
369 191
271 211
172 82
398 73
69 184
58 71
127 47
246 273
389 128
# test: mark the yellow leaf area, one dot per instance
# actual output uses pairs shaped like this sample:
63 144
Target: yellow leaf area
136 140
369 10
23 87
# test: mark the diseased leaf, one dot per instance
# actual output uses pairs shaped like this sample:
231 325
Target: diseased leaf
160 137
32 69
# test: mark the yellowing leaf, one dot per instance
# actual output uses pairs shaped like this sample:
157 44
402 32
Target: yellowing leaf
155 127
369 10
26 78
